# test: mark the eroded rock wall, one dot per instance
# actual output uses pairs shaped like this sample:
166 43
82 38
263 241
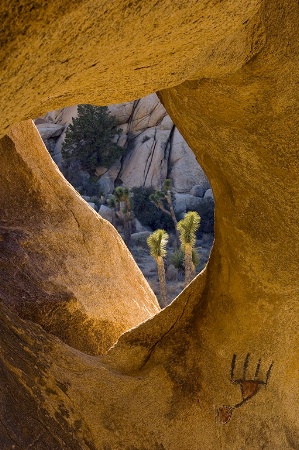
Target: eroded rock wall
173 382
54 253
63 53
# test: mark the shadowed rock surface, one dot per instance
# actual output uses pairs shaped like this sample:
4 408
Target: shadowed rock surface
228 73
54 253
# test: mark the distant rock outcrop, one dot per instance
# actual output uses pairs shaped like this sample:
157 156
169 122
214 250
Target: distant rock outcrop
154 148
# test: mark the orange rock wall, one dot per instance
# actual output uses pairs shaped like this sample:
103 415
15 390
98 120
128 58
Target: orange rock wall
227 72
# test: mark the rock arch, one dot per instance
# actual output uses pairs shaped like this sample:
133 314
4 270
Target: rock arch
227 74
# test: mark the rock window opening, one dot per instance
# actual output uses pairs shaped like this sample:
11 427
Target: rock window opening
148 149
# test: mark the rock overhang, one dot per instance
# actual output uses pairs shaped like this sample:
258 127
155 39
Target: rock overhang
239 121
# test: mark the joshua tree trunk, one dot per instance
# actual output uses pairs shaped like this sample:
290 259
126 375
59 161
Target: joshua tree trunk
189 266
127 233
172 214
162 280
125 213
127 221
127 228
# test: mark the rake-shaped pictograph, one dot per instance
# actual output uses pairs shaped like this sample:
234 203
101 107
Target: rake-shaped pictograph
249 386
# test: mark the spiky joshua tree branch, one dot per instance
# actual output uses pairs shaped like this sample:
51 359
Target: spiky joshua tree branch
165 195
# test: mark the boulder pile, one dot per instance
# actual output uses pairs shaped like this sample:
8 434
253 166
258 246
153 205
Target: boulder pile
154 148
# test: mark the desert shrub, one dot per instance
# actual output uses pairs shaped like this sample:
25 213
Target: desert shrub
177 259
146 212
92 189
206 211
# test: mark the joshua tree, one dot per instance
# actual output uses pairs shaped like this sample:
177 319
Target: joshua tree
187 228
122 199
112 204
157 242
159 197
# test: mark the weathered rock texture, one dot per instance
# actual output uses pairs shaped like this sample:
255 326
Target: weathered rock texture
154 149
66 52
54 253
162 383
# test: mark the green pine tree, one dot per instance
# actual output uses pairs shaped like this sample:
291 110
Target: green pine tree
89 139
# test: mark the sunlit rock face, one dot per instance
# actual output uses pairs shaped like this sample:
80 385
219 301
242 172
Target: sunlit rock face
61 264
62 53
229 74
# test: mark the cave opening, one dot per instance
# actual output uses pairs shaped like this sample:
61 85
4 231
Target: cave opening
152 154
229 75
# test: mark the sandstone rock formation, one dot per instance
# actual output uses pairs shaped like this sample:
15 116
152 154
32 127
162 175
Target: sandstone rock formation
53 248
228 72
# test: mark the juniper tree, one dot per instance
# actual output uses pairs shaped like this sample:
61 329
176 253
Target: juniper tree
89 139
